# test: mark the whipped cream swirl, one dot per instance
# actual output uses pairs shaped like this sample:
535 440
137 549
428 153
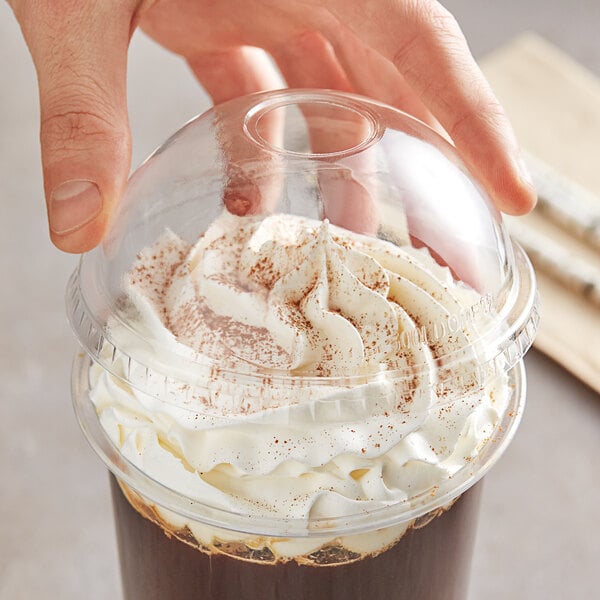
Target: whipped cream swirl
284 293
280 293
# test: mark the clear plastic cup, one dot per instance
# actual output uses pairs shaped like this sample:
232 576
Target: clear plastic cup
240 470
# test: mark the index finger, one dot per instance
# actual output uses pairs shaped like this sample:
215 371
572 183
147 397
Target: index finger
423 40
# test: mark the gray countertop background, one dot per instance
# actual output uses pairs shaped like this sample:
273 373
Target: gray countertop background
539 534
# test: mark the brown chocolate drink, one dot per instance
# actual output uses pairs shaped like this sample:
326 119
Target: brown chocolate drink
429 562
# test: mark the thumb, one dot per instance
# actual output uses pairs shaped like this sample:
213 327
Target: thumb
80 53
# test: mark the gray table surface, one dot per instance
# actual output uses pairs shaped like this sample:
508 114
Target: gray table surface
539 534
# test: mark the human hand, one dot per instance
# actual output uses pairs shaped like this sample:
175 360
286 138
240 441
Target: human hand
409 53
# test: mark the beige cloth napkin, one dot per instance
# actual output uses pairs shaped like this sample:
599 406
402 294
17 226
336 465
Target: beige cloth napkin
554 105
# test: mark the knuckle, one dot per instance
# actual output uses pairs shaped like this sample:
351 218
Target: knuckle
77 118
434 19
432 26
38 17
441 20
74 128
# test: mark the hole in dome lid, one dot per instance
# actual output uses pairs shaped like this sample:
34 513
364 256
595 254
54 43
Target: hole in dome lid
315 128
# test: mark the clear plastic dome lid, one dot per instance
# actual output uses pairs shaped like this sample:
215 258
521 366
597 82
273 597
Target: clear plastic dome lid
309 236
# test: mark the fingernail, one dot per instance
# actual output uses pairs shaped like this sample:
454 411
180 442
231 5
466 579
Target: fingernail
73 204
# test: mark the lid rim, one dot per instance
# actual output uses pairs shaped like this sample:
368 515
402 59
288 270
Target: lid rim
499 348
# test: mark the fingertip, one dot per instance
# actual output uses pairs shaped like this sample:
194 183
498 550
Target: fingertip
79 214
526 198
486 142
72 204
518 200
513 190
82 190
83 239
